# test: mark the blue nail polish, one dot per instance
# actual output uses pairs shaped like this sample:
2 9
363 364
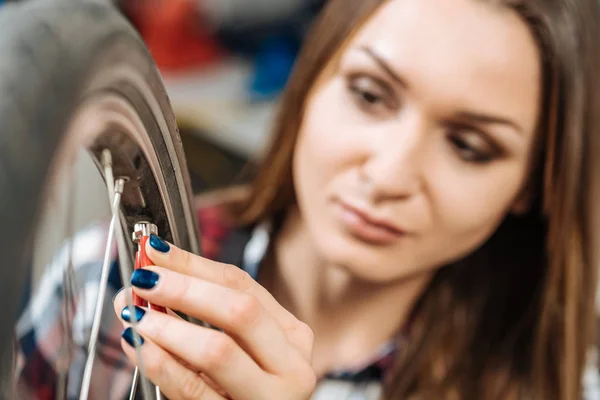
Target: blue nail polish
130 337
139 313
144 279
158 244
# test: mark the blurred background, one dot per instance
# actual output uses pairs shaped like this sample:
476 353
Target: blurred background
224 63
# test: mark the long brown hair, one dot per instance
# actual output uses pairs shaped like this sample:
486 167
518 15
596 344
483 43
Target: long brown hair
514 318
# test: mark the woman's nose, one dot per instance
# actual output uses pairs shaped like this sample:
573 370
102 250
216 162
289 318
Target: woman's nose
394 166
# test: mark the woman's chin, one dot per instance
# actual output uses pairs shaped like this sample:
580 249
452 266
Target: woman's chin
361 261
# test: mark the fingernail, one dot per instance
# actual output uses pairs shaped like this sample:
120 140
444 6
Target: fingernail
158 244
130 337
144 279
116 294
139 313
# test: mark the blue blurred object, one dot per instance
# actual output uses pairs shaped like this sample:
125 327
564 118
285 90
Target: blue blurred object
272 47
1 2
272 66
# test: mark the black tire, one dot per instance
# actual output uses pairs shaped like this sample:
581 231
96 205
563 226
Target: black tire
50 52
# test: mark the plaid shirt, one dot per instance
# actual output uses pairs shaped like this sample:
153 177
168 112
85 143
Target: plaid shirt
42 357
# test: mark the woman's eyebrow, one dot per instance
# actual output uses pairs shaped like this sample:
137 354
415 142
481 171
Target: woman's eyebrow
470 116
384 65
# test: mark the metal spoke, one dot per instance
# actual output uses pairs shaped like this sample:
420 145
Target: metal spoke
125 270
137 376
87 374
140 229
134 383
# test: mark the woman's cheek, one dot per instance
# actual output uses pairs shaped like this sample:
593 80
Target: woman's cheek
330 137
468 208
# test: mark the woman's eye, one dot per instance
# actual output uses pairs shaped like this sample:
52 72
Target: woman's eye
474 150
368 97
371 95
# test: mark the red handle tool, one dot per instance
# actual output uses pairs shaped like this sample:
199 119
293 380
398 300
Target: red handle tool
141 234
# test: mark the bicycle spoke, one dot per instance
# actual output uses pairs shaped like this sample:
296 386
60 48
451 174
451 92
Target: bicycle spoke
137 376
87 374
143 228
134 383
125 270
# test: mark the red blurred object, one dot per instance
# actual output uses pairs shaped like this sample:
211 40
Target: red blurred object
173 31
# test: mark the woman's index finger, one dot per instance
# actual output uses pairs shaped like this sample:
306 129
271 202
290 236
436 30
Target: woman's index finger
168 256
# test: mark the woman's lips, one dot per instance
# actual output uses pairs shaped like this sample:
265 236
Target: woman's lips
366 227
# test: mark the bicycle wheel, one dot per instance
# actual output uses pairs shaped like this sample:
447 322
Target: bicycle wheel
75 78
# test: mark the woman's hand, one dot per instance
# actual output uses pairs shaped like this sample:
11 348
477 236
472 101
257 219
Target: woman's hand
264 352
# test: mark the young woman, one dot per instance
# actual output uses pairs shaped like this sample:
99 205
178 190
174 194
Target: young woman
425 223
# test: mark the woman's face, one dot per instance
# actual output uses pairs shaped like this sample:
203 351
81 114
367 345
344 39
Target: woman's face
417 140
